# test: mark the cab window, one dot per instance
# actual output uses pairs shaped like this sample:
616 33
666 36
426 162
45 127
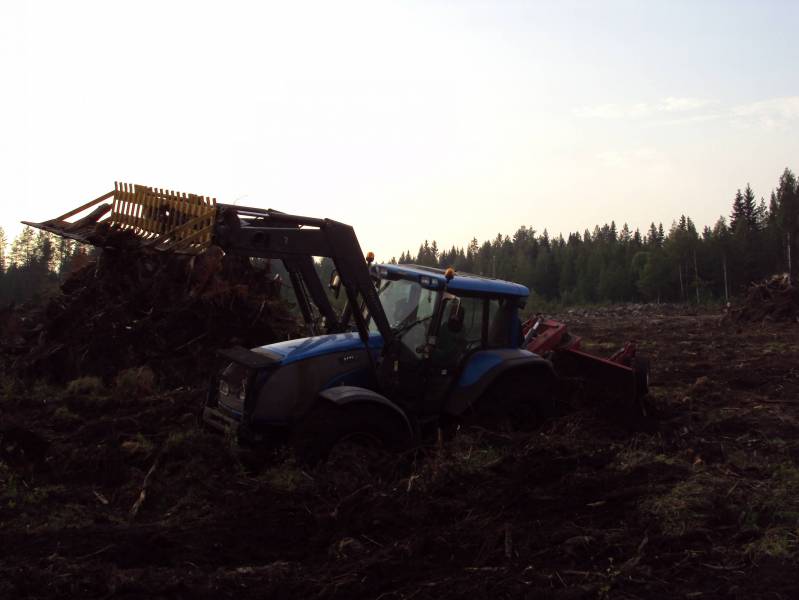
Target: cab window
500 321
409 309
460 331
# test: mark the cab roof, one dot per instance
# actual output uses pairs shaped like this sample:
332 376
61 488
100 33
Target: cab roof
462 282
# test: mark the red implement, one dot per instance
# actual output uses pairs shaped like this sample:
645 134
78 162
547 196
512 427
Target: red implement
620 375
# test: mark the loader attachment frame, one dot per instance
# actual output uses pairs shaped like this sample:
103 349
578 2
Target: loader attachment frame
177 222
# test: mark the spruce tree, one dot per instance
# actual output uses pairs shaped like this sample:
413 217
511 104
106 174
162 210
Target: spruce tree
22 249
788 215
3 248
750 208
738 215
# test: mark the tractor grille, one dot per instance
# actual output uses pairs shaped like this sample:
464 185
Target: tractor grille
229 401
232 386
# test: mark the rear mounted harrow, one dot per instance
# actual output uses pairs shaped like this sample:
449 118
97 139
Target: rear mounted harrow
623 375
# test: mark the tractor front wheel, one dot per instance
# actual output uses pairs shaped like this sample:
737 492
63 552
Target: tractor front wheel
359 425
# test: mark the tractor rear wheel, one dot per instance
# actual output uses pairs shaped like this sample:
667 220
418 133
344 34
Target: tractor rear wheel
517 402
361 425
644 404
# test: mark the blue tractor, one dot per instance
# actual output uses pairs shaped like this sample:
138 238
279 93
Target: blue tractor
454 351
414 348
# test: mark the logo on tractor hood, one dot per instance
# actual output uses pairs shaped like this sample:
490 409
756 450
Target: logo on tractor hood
303 348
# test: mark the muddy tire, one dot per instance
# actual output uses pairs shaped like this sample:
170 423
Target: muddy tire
644 405
358 424
641 366
517 402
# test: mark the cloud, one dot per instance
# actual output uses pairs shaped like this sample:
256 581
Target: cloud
601 111
771 114
643 158
674 104
669 105
766 114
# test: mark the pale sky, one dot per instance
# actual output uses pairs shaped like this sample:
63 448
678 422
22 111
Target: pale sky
408 120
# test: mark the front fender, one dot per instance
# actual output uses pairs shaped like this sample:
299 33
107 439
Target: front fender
484 367
343 395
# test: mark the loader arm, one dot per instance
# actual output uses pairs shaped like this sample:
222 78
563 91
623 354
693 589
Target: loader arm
177 222
294 240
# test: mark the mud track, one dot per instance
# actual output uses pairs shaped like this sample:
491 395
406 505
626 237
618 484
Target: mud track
705 507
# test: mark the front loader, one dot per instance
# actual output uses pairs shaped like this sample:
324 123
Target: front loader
414 348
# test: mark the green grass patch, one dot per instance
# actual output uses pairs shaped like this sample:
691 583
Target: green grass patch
86 386
16 492
686 506
132 384
777 542
286 476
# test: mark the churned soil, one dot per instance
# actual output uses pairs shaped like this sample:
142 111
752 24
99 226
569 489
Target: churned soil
112 491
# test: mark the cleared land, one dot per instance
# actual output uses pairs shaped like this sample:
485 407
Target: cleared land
706 506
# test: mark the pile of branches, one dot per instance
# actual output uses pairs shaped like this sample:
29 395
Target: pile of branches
774 299
133 306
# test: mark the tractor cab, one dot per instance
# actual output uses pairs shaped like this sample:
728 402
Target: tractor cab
441 321
466 311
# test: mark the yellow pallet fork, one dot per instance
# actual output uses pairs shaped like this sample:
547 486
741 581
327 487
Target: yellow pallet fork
163 219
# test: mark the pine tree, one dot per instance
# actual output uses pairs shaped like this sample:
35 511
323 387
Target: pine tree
3 247
773 205
625 234
424 255
750 208
761 215
22 248
788 215
652 236
738 215
44 252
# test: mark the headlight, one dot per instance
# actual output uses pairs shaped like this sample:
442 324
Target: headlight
243 390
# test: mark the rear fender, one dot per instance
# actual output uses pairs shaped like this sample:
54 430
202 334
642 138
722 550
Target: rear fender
344 395
485 367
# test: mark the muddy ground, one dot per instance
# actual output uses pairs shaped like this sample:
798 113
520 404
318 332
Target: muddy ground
706 506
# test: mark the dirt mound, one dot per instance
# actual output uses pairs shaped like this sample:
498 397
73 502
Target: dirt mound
134 307
774 299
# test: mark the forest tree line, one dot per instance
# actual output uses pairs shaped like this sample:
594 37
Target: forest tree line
34 264
608 264
612 264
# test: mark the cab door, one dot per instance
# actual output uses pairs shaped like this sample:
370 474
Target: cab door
460 331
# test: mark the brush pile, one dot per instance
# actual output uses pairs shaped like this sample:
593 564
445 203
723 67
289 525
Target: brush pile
774 299
133 307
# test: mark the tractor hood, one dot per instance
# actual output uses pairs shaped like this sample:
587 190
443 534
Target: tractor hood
302 348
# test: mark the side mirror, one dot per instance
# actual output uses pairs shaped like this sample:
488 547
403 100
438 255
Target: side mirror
456 315
335 283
